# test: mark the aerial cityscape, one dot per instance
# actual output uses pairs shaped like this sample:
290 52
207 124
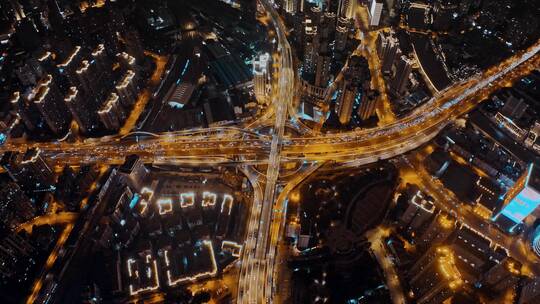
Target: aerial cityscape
270 151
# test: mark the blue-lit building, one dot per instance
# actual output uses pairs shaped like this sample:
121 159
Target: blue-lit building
520 201
535 240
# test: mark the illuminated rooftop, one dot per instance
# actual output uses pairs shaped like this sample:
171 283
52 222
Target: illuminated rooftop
99 50
109 103
71 94
447 266
127 79
70 58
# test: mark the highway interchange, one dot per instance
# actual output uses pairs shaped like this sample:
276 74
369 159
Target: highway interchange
245 147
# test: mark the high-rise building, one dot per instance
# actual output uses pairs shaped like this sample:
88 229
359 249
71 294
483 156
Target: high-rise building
347 8
375 11
49 102
37 169
94 76
355 83
127 62
48 63
28 71
502 276
345 103
101 58
70 64
400 78
29 170
322 69
435 277
13 248
387 51
310 46
133 45
343 28
535 240
326 32
15 207
533 138
438 230
474 253
530 293
101 66
135 171
27 111
261 77
112 114
420 210
319 35
10 11
368 104
289 6
81 111
127 89
323 57
521 200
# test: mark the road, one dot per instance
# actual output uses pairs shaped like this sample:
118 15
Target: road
376 238
255 281
145 95
362 146
53 256
60 218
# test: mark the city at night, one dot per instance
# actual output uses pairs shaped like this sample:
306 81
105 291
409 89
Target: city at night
270 151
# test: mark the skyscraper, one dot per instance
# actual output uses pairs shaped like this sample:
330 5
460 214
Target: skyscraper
375 11
521 200
401 74
85 117
355 84
135 171
27 111
70 64
261 77
322 69
111 113
29 170
368 104
346 101
387 51
50 104
133 45
346 8
289 6
342 33
127 89
127 62
323 58
310 46
35 169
